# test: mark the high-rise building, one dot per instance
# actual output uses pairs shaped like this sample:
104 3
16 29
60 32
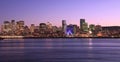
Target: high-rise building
42 28
32 28
37 29
55 28
20 25
49 25
64 26
13 27
13 22
85 27
26 31
91 27
82 22
6 26
70 30
76 29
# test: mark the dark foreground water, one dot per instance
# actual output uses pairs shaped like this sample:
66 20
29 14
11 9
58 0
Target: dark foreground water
60 50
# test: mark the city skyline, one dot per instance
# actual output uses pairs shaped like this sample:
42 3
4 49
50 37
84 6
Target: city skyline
102 12
18 29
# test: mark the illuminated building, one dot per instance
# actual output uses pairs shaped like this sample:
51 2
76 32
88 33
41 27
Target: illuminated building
64 26
98 28
42 28
82 22
76 29
91 27
85 27
55 29
13 27
6 26
49 25
17 26
49 28
110 28
36 31
20 25
32 28
70 30
26 31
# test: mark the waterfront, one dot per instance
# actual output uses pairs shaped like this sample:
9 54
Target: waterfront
60 50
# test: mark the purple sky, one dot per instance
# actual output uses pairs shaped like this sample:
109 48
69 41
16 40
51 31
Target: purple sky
103 12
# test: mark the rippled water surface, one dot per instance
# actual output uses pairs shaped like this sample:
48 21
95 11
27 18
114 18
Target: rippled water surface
60 50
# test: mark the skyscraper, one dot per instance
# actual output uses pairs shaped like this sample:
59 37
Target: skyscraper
64 26
82 22
42 28
85 27
32 28
49 25
20 25
7 27
13 27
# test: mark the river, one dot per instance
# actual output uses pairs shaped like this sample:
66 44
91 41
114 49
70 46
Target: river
60 50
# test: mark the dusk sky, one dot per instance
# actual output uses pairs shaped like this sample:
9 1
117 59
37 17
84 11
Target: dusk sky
103 12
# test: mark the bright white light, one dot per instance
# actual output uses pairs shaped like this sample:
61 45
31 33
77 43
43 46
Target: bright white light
90 32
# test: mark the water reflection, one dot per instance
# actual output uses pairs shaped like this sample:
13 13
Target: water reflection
12 47
59 50
90 49
90 43
48 43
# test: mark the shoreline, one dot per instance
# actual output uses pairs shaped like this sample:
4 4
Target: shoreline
1 38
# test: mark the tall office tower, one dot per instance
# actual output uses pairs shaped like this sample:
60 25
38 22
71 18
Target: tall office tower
85 27
49 25
13 26
32 28
13 22
6 26
82 22
64 26
26 31
17 25
42 28
21 25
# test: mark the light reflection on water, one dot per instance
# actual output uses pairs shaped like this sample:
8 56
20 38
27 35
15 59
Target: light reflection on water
60 50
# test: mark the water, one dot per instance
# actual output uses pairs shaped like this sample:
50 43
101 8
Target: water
60 50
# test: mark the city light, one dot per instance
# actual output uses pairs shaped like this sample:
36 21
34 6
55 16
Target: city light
16 29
